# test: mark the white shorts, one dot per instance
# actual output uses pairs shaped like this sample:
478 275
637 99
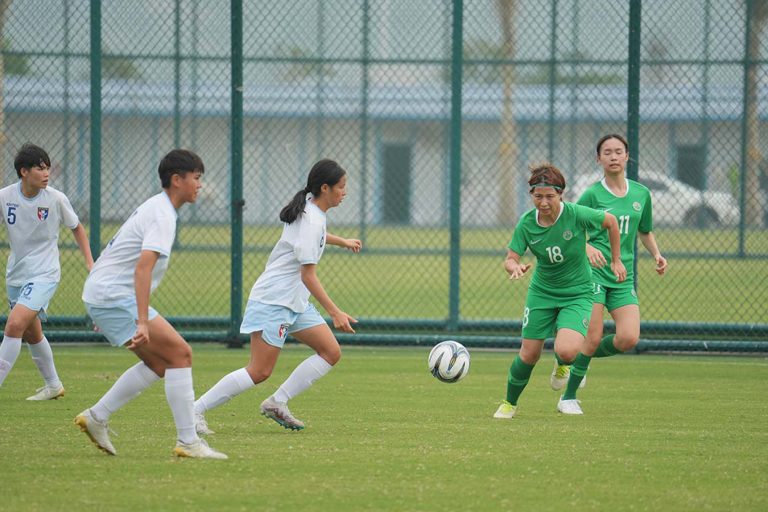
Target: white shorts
276 322
34 296
117 322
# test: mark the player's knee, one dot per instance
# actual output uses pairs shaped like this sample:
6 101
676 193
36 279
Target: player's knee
626 342
331 356
182 357
15 327
257 374
567 354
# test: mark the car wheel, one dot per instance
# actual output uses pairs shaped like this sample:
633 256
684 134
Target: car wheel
702 217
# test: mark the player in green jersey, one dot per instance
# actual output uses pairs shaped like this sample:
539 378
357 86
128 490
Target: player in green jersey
559 297
631 203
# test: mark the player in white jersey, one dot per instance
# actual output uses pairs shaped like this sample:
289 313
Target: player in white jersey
32 214
279 303
116 296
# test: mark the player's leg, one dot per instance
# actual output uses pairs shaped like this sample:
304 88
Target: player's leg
572 326
167 345
118 325
18 321
310 329
42 356
263 359
624 307
578 378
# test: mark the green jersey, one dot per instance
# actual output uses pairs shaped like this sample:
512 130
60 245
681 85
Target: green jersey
634 212
562 268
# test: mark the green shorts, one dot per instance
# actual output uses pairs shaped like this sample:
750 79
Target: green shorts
613 298
540 322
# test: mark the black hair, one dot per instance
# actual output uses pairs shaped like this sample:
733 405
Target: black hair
324 172
30 155
546 175
610 136
178 161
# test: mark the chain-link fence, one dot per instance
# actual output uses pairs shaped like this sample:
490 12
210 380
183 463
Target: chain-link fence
435 108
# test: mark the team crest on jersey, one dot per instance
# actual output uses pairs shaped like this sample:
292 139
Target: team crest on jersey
282 331
567 234
637 206
585 323
42 213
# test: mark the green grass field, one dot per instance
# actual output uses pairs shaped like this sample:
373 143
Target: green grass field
660 433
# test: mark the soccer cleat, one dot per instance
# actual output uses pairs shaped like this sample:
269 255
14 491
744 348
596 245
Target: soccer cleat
98 431
559 377
280 413
47 393
506 411
197 450
569 406
201 426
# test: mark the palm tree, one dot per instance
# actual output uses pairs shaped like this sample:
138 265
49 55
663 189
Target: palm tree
507 175
4 5
754 204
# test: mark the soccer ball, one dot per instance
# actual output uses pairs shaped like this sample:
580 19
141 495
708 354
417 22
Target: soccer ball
449 361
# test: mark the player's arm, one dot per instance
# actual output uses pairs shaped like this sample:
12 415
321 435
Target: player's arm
352 244
512 265
82 242
142 282
341 320
649 242
611 225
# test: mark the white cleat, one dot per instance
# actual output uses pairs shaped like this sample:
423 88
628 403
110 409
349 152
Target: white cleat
506 411
47 393
197 450
97 431
201 426
559 377
279 412
572 407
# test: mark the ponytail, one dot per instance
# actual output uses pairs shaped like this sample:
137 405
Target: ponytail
324 172
295 208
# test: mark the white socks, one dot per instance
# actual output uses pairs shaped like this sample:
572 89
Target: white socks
302 378
225 390
133 381
9 351
181 396
43 358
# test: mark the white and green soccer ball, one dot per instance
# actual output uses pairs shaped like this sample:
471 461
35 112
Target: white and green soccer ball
449 361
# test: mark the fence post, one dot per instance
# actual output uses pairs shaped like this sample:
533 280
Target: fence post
455 164
95 153
633 100
236 184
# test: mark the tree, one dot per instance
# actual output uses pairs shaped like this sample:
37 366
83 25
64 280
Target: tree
508 151
4 5
754 205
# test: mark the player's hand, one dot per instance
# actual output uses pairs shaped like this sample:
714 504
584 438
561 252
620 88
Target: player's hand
343 322
661 265
141 337
595 256
353 244
516 270
619 271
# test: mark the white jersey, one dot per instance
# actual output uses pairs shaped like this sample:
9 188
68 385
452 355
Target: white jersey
33 233
152 227
302 243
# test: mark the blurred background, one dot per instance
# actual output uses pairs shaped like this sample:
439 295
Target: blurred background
435 108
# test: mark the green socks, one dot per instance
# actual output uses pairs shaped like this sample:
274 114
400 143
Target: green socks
519 373
578 371
606 347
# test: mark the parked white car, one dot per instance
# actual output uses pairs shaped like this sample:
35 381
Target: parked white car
675 203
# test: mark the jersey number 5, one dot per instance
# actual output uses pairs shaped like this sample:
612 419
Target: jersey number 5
11 215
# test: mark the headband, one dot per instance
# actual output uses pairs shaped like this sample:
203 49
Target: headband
545 184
